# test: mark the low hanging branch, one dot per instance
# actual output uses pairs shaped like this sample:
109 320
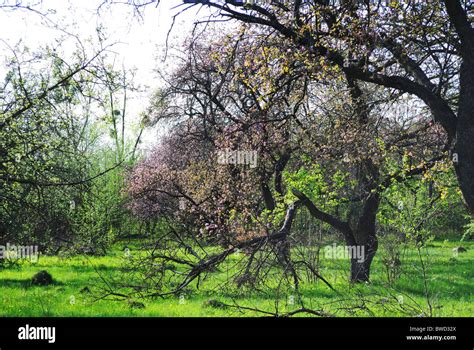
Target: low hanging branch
211 262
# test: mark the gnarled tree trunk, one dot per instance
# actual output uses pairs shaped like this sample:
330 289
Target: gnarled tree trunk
365 237
463 156
360 268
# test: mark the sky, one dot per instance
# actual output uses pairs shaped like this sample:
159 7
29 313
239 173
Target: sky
140 40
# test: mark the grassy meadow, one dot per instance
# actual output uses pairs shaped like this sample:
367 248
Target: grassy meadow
446 291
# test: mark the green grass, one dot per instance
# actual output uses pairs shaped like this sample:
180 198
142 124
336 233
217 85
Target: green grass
450 283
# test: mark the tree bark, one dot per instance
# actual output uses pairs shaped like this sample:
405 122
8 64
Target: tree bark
366 238
360 268
463 156
365 233
464 147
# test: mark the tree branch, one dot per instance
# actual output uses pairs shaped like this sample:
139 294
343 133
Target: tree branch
339 225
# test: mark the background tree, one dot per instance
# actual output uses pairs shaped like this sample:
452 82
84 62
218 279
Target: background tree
49 110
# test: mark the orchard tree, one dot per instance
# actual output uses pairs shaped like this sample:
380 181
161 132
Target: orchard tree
314 150
425 49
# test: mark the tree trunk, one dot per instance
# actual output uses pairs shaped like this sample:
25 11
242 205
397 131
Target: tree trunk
463 156
365 236
360 268
465 165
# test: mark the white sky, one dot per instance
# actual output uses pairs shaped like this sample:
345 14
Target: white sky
141 41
